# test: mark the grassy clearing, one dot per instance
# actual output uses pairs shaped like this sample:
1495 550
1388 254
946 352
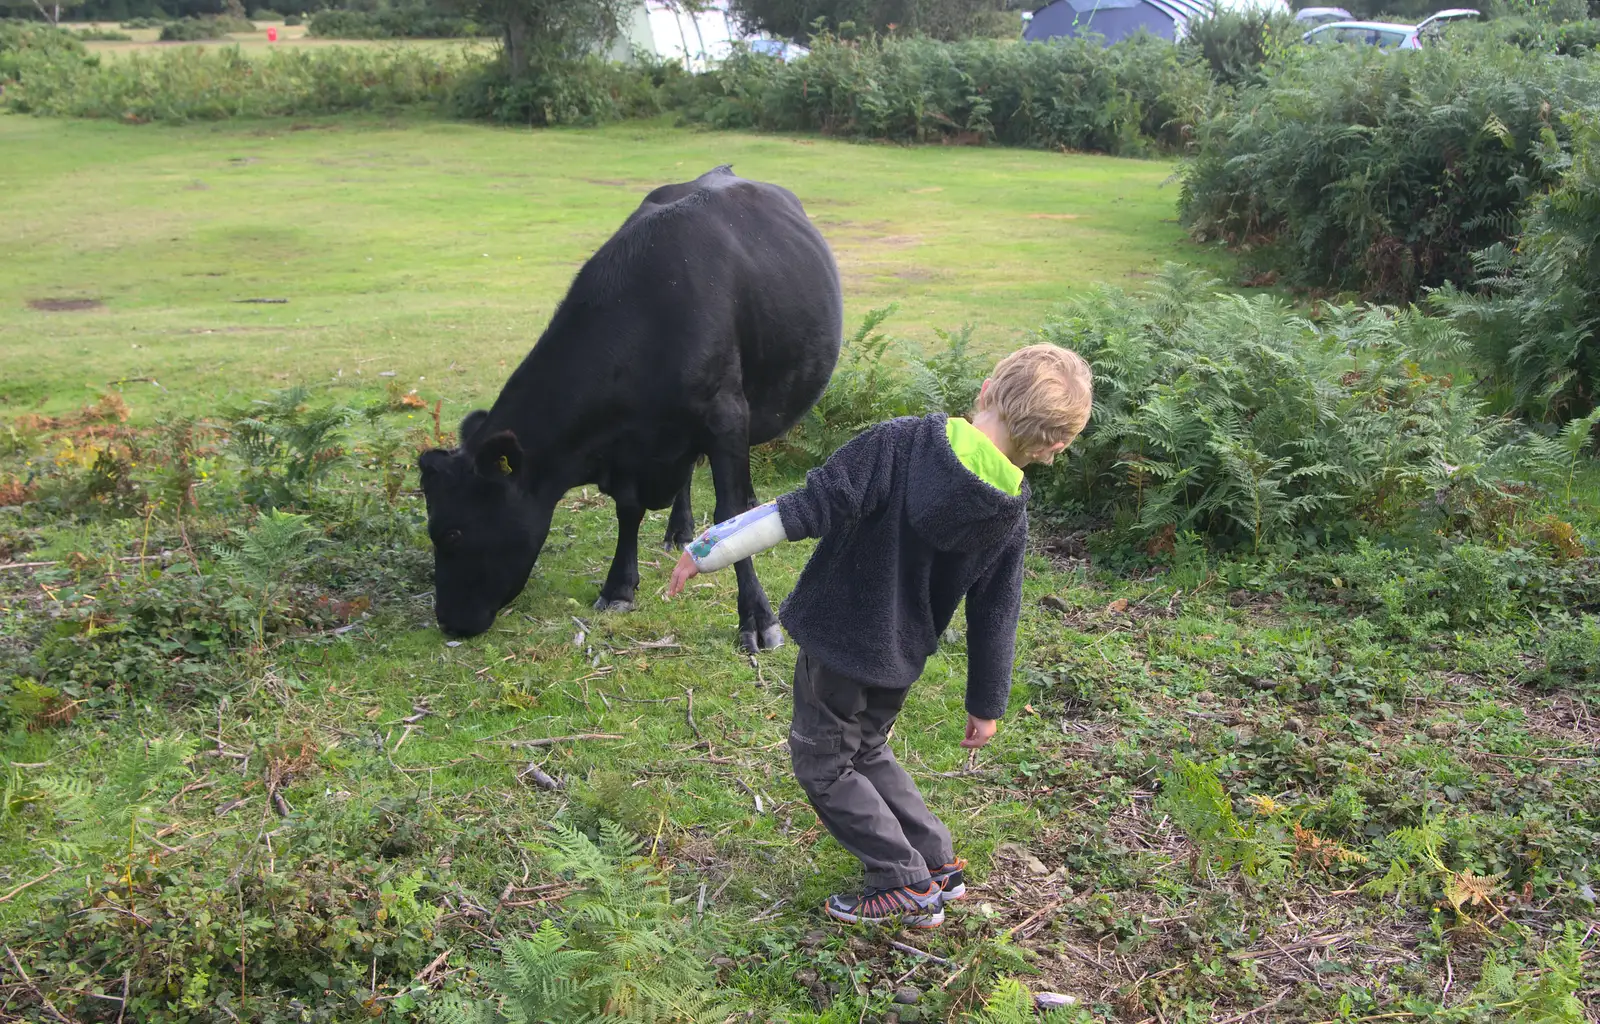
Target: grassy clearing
1287 787
438 251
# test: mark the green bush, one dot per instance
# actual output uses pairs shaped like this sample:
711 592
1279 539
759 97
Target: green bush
1382 173
578 92
192 30
293 20
314 933
1130 98
29 47
623 952
194 84
101 35
391 23
1235 44
1536 320
1241 420
145 23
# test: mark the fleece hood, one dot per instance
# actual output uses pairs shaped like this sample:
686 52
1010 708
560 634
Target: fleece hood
948 505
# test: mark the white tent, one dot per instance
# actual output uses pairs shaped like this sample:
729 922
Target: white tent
672 33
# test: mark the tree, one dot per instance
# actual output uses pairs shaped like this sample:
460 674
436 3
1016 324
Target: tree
51 10
537 32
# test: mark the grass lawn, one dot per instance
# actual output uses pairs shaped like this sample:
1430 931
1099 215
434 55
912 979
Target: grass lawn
438 251
333 823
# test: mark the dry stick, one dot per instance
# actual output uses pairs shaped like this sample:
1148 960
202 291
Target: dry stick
39 565
1251 1013
914 951
552 740
537 774
126 977
688 713
29 884
48 1005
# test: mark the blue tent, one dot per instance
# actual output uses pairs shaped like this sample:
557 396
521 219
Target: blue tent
1115 20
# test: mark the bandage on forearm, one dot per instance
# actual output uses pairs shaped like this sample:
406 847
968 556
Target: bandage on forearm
736 539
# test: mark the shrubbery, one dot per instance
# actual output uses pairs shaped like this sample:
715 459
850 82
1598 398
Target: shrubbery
1069 94
1382 173
192 30
1536 325
391 23
194 84
574 92
1239 421
1243 421
1235 44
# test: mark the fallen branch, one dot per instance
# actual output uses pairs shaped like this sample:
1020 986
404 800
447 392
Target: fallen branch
549 741
48 1005
41 565
688 713
914 951
539 777
30 884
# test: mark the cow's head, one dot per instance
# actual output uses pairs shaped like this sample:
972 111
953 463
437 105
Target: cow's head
486 524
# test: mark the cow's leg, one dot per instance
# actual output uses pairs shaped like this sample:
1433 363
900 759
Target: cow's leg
730 472
680 523
623 580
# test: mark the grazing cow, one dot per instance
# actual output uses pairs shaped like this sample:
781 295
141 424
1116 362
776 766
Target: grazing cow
709 322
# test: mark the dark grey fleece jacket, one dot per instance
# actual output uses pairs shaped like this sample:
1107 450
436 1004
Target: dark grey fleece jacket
906 532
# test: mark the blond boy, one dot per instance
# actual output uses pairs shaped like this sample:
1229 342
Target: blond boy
912 516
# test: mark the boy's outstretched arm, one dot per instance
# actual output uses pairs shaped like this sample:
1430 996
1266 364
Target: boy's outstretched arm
851 484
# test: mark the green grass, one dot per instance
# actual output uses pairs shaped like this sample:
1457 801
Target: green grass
438 251
435 252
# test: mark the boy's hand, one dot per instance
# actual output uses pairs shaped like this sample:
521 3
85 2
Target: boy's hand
979 731
684 571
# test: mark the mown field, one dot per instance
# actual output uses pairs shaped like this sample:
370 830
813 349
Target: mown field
248 780
437 250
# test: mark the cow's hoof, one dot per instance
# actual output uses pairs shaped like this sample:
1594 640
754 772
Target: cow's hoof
605 604
754 642
672 544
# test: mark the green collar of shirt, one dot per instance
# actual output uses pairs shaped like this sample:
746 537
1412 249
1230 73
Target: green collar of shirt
979 454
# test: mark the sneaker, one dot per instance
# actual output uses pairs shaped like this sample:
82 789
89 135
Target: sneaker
919 906
951 881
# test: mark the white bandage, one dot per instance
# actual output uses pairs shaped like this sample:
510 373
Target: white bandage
738 538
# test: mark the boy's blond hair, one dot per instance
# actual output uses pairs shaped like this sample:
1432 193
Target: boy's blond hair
1043 393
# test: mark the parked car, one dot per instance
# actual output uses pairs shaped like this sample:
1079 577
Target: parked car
1385 35
1437 21
1314 16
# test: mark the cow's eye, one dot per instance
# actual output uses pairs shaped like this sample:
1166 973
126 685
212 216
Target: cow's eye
451 537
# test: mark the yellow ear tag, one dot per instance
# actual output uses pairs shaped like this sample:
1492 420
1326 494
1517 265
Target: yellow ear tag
505 466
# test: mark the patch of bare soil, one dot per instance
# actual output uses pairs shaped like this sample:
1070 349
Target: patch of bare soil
64 305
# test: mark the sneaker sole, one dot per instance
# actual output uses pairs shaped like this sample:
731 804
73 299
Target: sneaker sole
932 920
958 892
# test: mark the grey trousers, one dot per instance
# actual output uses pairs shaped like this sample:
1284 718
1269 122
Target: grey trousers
838 741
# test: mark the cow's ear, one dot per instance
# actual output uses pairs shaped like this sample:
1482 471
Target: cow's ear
431 462
499 455
469 425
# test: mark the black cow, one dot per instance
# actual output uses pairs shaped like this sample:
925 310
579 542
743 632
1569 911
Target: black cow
709 322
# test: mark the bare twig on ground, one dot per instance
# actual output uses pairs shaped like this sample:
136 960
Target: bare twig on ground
31 882
547 741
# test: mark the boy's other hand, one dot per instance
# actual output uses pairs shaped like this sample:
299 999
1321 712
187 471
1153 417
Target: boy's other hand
682 573
979 731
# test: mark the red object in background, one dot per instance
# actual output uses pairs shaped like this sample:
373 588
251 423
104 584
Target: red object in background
272 35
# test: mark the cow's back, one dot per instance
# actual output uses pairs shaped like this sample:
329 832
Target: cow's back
711 288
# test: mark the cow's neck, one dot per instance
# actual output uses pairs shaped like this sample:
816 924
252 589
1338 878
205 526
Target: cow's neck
558 416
